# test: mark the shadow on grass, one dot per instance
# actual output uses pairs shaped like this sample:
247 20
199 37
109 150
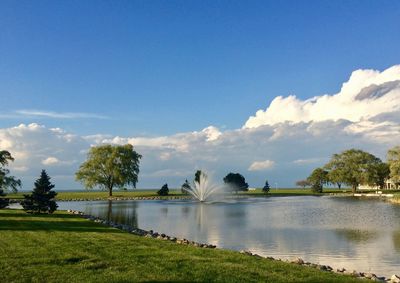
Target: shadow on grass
29 215
43 225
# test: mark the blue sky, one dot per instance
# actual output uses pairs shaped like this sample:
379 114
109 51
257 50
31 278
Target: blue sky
157 68
161 67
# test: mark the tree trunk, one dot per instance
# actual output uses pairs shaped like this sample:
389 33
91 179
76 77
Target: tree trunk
110 191
354 189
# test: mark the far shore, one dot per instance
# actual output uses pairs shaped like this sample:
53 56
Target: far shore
177 194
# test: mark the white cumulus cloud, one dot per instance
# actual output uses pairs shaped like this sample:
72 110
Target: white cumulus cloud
51 160
366 94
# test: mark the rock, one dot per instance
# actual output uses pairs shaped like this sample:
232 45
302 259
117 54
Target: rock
395 279
369 275
297 260
246 252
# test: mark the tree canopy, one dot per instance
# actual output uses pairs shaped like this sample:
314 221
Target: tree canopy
317 179
6 182
109 166
185 187
236 181
393 159
164 191
42 198
354 167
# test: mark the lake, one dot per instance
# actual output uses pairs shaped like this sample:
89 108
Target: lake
338 231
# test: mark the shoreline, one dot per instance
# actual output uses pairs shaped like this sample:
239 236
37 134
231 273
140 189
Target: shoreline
299 261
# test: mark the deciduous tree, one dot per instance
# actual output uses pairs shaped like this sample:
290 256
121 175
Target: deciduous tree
109 166
6 182
353 167
393 159
236 181
317 179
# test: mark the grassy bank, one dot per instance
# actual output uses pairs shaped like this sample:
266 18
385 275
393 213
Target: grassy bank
67 248
152 193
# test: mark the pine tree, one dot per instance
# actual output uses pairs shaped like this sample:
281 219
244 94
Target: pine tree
185 187
3 201
266 188
163 191
42 198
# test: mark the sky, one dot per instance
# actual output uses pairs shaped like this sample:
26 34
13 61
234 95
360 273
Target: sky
269 89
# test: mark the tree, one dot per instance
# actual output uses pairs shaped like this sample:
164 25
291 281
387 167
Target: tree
42 198
6 182
109 166
303 183
317 179
185 187
352 167
266 187
236 181
393 159
377 175
197 176
164 190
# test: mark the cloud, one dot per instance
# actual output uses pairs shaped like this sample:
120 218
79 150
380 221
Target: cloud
366 94
51 114
261 165
283 146
50 161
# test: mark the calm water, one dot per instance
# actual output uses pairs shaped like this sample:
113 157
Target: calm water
341 232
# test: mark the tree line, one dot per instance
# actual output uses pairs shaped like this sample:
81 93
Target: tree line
355 167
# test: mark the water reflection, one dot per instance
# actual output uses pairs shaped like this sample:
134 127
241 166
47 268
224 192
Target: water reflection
323 230
358 236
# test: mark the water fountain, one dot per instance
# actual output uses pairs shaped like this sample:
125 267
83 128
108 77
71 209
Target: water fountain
204 188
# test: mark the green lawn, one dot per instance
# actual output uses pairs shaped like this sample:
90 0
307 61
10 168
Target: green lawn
66 248
151 193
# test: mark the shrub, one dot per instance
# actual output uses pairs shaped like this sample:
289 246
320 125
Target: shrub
164 190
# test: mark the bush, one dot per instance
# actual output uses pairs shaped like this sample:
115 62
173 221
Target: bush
163 191
42 198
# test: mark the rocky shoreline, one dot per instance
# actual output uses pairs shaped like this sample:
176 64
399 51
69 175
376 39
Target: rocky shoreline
160 236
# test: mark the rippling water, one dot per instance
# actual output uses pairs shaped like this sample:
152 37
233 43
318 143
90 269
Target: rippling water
341 232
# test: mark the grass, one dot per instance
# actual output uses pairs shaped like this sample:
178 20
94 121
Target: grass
66 248
152 193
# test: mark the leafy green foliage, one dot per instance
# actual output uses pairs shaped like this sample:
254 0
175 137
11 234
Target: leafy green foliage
6 182
236 181
109 166
317 179
164 190
185 187
266 187
393 158
353 167
42 198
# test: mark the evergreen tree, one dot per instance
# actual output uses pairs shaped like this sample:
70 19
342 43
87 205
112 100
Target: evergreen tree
185 187
163 191
42 198
266 188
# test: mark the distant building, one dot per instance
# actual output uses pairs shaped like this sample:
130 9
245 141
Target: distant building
389 185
